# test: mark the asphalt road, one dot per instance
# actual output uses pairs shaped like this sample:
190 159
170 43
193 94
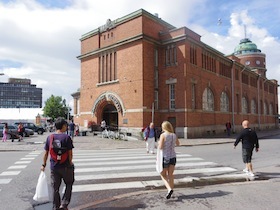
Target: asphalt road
18 192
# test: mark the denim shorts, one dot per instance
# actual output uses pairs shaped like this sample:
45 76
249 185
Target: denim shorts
166 163
247 155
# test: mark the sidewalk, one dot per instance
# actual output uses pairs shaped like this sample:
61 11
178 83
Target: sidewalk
91 142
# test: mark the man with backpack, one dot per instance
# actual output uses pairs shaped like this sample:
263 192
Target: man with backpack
59 145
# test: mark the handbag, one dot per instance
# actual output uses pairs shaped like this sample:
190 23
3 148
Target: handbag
42 192
159 166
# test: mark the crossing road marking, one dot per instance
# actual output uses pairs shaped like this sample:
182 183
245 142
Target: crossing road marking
108 165
121 168
134 157
22 162
5 181
107 186
151 173
18 167
27 158
124 162
139 184
10 173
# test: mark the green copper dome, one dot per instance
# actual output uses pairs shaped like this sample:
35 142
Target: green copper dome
246 46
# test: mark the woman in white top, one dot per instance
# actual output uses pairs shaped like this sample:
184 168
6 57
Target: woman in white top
167 142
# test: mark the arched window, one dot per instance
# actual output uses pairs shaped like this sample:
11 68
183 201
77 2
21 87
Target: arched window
224 102
253 107
270 109
265 108
208 100
244 105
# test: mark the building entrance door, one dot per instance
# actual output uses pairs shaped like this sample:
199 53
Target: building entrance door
110 115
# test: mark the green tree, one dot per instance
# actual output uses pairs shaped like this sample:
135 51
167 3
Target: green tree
55 107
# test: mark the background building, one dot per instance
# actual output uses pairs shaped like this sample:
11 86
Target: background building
20 93
139 69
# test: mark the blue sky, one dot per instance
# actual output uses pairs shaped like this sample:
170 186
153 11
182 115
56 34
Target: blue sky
39 39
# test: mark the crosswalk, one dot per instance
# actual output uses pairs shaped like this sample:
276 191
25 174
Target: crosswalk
12 171
97 170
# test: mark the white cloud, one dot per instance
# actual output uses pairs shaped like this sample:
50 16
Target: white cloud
45 40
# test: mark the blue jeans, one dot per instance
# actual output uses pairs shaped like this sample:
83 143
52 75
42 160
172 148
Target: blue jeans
71 134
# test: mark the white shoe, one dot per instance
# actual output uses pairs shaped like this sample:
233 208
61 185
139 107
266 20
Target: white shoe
251 174
245 170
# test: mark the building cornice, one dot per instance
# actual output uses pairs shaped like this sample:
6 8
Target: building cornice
111 24
108 48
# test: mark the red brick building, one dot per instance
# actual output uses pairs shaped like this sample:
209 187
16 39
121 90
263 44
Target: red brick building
139 68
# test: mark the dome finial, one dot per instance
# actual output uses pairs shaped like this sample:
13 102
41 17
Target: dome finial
245 31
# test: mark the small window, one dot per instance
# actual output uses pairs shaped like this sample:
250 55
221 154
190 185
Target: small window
172 96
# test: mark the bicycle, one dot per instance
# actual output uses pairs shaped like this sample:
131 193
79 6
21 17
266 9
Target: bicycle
107 134
119 135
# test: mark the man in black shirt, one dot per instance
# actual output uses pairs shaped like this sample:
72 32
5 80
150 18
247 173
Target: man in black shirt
250 141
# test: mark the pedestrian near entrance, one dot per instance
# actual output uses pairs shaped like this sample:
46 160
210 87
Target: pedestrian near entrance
167 142
250 141
150 138
103 125
228 128
59 145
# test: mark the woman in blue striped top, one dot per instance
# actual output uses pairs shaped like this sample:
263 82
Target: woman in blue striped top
167 142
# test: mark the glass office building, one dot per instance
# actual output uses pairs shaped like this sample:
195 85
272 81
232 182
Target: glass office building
20 93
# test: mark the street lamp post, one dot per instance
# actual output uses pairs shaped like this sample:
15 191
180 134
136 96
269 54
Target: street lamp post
68 113
259 106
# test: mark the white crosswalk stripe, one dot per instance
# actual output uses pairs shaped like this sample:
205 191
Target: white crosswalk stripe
7 176
95 168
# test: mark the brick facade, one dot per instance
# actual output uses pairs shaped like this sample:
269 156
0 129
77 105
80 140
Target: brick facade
129 61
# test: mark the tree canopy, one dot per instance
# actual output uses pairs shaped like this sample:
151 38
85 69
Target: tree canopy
55 107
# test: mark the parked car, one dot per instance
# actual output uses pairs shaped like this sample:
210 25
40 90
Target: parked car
28 132
32 126
13 132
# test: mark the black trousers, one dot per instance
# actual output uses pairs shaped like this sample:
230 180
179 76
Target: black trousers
57 175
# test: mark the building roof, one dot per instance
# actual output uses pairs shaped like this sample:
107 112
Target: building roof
246 46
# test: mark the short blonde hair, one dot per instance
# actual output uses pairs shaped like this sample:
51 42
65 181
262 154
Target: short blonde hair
167 126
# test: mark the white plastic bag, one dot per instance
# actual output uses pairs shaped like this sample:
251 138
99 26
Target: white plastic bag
42 191
159 160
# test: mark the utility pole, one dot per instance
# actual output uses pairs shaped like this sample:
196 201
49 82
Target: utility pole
153 111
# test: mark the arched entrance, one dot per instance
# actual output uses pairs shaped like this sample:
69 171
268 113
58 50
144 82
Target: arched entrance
107 107
110 115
